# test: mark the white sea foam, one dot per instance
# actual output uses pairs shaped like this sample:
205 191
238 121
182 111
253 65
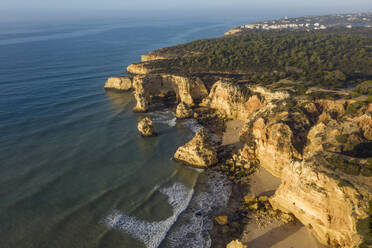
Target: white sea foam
152 233
194 232
164 117
192 124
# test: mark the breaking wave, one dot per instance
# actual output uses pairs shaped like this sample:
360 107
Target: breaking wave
152 233
194 231
164 117
192 124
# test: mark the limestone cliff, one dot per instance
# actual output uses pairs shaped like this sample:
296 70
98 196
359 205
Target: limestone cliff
187 89
151 56
198 151
311 147
119 83
183 111
318 148
235 101
331 211
142 68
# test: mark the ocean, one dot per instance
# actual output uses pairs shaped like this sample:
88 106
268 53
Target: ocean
74 171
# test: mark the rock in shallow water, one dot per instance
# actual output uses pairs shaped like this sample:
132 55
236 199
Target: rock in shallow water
119 83
236 244
222 220
146 127
198 151
183 111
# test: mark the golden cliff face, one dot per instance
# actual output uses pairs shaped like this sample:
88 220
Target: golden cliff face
187 90
198 151
150 56
139 68
299 144
233 101
308 144
318 200
119 83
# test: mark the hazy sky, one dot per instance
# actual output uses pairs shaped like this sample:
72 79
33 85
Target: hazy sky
13 10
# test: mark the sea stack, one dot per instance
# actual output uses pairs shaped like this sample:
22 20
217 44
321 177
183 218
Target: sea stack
119 83
146 127
198 151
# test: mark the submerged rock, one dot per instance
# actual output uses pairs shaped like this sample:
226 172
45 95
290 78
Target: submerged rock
183 111
146 127
222 220
119 83
236 244
198 151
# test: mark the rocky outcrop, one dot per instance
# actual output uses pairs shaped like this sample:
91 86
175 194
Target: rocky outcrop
140 95
183 111
151 56
233 31
309 146
331 211
187 89
142 68
146 127
235 101
198 151
119 83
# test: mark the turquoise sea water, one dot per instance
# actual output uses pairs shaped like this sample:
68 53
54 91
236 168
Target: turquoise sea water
74 172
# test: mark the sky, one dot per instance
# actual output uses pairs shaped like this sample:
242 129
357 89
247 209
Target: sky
28 10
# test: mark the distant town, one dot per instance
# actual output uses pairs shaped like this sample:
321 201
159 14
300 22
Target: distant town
310 23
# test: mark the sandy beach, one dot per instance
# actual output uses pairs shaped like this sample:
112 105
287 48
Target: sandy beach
276 234
262 183
231 134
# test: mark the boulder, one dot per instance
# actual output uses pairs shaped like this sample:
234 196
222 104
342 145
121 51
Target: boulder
146 127
183 111
222 220
236 244
198 151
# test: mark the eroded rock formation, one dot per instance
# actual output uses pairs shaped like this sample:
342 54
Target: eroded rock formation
198 151
146 127
331 211
119 83
183 111
187 90
310 146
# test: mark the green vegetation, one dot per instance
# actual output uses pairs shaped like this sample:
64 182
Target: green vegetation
345 183
331 59
353 108
367 169
345 166
364 88
342 138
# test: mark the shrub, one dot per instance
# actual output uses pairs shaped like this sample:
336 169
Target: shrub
345 166
342 138
367 169
345 183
